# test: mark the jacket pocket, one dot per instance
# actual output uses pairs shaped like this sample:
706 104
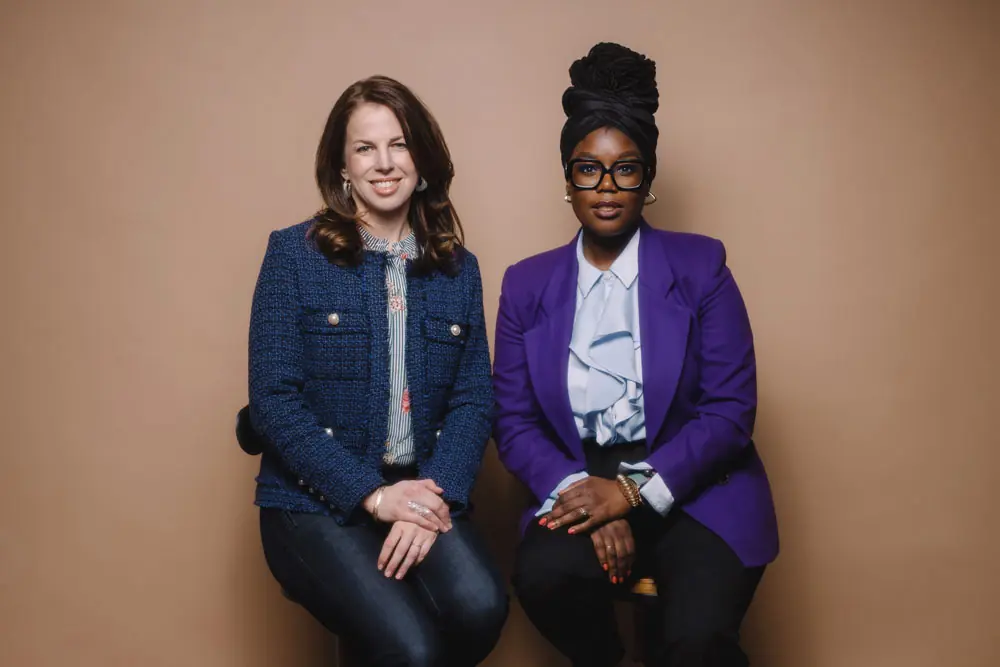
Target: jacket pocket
446 340
336 344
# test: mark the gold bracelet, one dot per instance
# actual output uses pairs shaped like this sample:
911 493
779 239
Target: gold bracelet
630 490
378 501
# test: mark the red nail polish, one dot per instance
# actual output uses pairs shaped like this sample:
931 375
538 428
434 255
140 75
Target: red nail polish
605 565
572 530
614 580
542 522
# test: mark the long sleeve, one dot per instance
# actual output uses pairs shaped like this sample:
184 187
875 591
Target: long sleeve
458 453
651 486
554 495
728 401
524 441
277 407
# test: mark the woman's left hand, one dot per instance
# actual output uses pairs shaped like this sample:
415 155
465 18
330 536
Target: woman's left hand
406 545
586 504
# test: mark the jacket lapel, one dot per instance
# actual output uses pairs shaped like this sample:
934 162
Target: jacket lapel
664 324
547 348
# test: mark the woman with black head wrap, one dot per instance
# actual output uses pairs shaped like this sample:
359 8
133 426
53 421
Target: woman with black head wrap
625 384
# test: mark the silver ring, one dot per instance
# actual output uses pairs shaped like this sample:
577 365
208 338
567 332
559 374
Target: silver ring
583 512
609 547
418 508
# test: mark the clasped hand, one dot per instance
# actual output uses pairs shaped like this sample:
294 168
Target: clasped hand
597 505
587 504
417 514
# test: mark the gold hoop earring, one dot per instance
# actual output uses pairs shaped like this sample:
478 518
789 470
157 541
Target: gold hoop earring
650 202
568 199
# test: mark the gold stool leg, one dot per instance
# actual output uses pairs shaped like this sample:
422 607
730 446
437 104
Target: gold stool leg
644 595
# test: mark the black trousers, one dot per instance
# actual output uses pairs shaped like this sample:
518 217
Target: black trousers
704 589
447 611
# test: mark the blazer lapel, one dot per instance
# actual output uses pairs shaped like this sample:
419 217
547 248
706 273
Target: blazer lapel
664 324
547 348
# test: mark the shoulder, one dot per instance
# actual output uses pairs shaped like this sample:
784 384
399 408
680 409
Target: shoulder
294 238
531 273
468 264
537 267
692 256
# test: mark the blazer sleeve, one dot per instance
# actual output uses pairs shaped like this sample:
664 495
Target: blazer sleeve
525 442
277 408
458 453
703 448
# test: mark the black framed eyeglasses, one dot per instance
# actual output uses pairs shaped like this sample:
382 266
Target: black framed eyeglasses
587 174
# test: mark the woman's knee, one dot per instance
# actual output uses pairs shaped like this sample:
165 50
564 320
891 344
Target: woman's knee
544 567
409 647
483 614
705 648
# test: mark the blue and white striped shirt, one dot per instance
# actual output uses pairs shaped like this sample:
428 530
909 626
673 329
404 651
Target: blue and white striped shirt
399 445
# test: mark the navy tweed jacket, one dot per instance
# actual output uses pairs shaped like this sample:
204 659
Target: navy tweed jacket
319 377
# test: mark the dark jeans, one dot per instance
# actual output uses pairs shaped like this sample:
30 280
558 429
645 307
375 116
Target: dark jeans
704 589
447 611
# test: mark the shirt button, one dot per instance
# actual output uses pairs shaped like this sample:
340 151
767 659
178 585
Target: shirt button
329 431
302 482
456 330
333 319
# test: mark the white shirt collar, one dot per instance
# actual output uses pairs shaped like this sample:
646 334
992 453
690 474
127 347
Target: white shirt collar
625 267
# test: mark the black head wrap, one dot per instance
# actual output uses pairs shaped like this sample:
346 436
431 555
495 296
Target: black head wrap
612 86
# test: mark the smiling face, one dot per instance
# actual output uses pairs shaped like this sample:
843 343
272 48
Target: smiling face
608 211
377 162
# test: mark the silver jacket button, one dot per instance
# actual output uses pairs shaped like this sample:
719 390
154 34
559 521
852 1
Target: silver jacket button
302 482
333 319
329 431
456 330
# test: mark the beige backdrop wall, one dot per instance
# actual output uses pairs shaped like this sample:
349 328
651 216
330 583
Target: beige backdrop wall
847 152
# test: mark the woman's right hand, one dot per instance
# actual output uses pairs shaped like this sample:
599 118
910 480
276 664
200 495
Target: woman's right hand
417 501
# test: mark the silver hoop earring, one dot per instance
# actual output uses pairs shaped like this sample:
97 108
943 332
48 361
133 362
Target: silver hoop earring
650 202
568 199
422 184
347 188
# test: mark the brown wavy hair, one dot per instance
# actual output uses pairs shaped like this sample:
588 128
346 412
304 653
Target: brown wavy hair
432 216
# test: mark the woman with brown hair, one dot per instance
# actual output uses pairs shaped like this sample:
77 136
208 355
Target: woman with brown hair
370 385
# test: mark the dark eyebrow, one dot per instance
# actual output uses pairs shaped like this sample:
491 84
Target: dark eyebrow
369 141
627 155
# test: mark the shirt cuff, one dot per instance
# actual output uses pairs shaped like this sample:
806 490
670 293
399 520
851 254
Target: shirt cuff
551 500
651 486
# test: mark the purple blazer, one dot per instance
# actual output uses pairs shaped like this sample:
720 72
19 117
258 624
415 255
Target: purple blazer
699 375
